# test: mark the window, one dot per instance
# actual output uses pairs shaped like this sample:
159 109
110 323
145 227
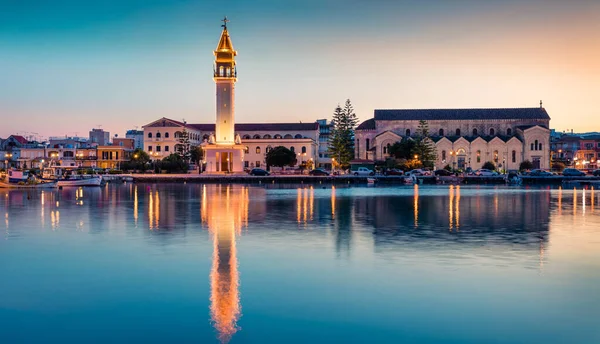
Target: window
492 132
303 149
149 148
514 156
536 145
288 136
257 150
509 131
443 156
246 164
247 150
149 135
474 131
441 132
277 136
496 156
457 132
478 156
298 136
166 148
166 135
386 149
267 136
158 148
257 164
158 135
269 148
407 132
532 146
540 146
368 142
256 136
246 137
221 70
293 149
357 146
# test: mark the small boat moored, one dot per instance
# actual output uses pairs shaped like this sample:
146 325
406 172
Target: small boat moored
66 176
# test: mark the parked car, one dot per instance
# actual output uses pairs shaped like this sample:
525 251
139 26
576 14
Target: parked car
318 172
394 172
442 173
596 173
259 172
539 173
416 172
573 172
485 173
363 171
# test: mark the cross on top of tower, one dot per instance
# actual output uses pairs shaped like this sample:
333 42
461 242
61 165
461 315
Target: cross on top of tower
225 21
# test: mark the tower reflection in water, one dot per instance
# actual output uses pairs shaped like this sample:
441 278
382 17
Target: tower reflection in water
225 213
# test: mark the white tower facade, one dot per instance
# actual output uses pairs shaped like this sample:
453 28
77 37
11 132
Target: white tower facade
224 152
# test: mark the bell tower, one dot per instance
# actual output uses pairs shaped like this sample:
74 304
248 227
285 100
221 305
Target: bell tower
225 76
224 152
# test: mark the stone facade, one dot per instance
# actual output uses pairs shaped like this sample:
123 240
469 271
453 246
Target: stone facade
463 137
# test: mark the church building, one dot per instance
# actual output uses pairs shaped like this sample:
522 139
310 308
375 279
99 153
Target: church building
463 137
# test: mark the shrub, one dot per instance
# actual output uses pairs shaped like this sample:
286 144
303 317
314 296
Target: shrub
489 166
115 172
525 165
448 168
558 166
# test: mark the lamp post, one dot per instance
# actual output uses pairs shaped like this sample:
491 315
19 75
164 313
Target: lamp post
7 158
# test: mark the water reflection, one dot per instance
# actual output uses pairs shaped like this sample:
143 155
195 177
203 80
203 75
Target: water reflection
225 215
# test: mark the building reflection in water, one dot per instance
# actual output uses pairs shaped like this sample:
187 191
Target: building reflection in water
416 204
225 214
305 204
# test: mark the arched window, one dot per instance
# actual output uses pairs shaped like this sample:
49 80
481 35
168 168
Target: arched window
166 135
257 150
457 132
277 136
514 156
496 156
293 149
269 148
246 137
509 131
443 156
228 71
368 143
247 150
298 136
478 156
492 132
532 146
221 70
158 135
441 132
407 132
387 148
540 147
177 134
256 136
288 136
536 145
149 135
303 149
474 131
266 136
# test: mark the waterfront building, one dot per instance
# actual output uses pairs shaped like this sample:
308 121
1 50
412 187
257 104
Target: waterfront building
324 159
463 137
580 151
137 136
99 137
111 156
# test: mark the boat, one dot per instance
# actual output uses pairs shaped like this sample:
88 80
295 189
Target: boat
67 176
17 179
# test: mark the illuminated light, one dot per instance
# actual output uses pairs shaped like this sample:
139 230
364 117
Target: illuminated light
305 206
457 215
311 202
298 204
332 201
416 205
135 205
150 211
574 202
592 199
583 201
57 204
450 207
560 200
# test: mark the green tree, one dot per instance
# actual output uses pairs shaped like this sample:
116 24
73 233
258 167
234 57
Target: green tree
183 147
424 147
488 165
280 156
174 163
196 154
525 165
403 149
341 139
139 161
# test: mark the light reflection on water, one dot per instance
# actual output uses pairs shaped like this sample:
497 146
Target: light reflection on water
326 264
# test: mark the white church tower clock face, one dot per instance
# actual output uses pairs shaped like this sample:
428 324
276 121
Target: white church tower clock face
225 76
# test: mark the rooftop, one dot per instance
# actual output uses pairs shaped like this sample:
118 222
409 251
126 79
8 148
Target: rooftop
460 114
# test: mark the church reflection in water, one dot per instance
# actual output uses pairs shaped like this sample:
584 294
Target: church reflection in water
225 214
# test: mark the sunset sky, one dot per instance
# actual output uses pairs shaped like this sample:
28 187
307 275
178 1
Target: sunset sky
68 66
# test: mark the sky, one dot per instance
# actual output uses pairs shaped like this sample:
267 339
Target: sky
67 66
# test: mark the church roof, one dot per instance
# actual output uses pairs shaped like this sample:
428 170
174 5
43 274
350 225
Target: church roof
460 114
225 44
366 125
262 126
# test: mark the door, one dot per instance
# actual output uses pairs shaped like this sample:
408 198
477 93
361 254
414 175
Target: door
536 162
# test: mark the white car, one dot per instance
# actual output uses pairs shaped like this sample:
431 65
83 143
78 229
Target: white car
363 171
416 172
485 173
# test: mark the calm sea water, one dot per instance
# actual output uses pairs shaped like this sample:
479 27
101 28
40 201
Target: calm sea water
247 264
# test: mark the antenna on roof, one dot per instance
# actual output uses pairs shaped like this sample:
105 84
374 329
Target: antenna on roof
541 107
